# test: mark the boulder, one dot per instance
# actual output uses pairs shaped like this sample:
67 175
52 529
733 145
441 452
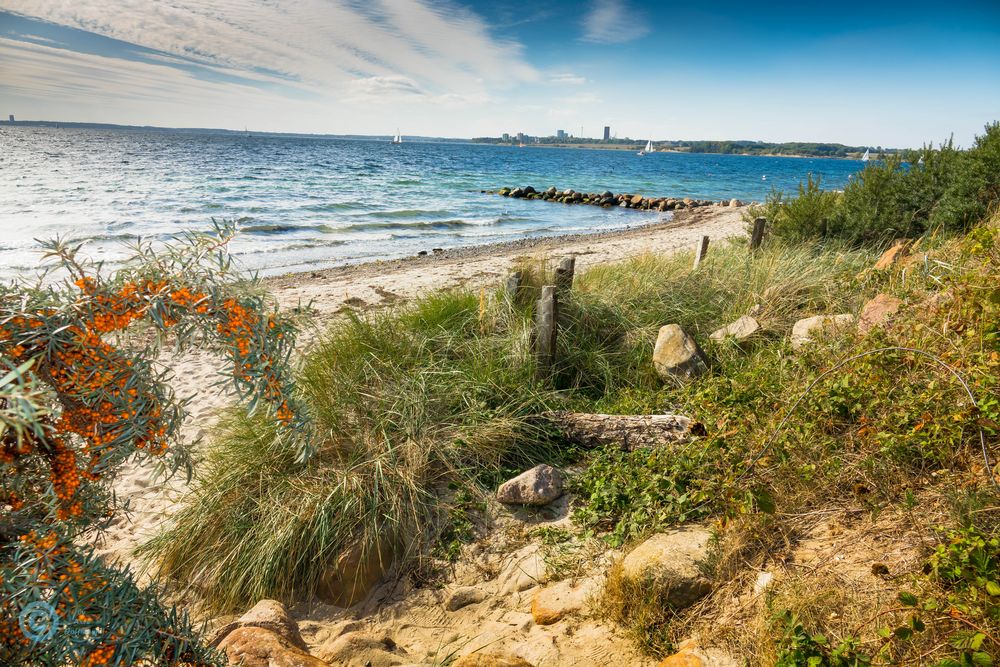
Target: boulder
355 573
463 597
688 201
552 603
877 312
504 191
636 200
804 330
551 191
741 329
734 203
898 251
490 660
690 654
538 486
676 354
672 561
517 192
607 194
356 649
663 206
568 192
252 646
267 614
530 190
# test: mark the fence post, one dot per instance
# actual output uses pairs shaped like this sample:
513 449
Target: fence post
546 325
564 274
700 250
514 285
757 237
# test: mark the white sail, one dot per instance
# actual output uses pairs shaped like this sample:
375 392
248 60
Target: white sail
864 158
398 139
649 146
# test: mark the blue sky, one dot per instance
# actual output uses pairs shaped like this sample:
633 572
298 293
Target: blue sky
874 73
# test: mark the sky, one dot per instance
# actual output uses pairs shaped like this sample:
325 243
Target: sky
873 73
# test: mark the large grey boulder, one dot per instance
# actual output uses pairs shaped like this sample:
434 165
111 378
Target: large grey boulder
805 330
672 562
677 355
741 329
538 486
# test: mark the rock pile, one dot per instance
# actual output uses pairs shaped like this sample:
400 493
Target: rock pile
608 199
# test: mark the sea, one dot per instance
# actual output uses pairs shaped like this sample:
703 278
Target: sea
316 202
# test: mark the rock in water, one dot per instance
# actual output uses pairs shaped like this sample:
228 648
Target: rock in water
677 355
878 312
734 203
538 486
804 329
672 561
741 329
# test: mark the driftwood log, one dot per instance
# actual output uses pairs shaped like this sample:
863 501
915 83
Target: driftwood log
630 432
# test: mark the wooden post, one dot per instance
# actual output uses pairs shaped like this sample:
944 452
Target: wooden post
514 285
757 237
546 325
700 250
564 274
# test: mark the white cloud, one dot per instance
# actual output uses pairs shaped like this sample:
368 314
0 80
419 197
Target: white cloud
567 78
613 22
319 45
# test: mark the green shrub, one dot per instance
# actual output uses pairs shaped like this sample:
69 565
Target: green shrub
807 216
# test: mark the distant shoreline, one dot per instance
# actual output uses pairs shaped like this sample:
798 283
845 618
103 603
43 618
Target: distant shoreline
593 145
637 147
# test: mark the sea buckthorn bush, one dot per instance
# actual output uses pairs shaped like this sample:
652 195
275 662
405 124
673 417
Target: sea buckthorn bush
81 393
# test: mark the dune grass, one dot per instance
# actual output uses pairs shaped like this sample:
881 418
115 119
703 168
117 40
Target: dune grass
421 408
412 403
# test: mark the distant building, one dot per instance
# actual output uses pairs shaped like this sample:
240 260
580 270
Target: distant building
560 134
12 118
520 137
506 137
607 132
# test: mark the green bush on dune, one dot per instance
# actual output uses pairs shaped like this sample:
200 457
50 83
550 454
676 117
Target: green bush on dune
898 196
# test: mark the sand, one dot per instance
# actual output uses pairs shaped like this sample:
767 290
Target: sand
416 619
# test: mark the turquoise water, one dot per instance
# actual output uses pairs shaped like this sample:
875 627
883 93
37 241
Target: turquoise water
312 202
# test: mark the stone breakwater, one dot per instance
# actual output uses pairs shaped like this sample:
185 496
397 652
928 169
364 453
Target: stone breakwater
607 199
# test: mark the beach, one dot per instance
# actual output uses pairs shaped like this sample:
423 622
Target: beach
384 284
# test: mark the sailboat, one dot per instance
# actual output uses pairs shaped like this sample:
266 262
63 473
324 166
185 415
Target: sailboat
398 138
647 149
865 158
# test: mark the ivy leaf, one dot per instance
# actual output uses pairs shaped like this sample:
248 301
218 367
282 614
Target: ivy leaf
908 599
980 658
903 633
993 588
764 501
